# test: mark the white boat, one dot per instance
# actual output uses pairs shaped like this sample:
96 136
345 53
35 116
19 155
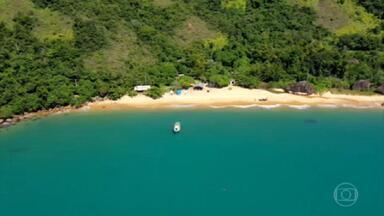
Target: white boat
177 127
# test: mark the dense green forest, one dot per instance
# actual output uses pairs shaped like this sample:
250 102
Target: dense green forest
106 47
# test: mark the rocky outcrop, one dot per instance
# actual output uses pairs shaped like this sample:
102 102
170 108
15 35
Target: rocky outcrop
11 121
6 122
302 87
380 89
362 85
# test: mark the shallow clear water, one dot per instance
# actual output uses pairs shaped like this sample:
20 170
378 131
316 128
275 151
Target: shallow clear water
224 162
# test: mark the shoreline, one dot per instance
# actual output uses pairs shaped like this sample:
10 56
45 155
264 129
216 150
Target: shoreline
35 115
238 97
214 98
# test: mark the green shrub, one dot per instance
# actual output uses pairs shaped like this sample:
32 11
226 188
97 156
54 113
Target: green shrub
185 82
219 81
155 92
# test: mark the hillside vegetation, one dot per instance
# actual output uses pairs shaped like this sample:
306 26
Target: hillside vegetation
49 24
341 16
66 52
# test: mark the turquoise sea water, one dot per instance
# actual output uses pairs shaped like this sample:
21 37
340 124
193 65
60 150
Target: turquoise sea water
224 162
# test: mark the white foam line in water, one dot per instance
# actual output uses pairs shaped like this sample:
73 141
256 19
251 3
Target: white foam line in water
247 106
269 106
217 107
328 105
244 106
182 106
358 107
300 107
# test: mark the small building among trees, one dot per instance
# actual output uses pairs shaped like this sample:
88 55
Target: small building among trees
142 88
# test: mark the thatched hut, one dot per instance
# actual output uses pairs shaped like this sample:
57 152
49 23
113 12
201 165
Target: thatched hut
302 87
362 85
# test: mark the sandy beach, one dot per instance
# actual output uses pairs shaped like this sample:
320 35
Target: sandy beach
241 98
229 97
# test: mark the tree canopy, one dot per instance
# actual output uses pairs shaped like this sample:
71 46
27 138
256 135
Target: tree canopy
256 42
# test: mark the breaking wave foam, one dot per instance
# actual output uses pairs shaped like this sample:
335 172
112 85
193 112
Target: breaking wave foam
246 106
300 107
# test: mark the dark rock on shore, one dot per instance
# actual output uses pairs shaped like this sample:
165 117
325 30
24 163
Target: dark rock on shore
380 89
11 121
302 87
6 122
30 116
362 85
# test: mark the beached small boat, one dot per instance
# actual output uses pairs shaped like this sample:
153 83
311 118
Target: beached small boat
177 127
